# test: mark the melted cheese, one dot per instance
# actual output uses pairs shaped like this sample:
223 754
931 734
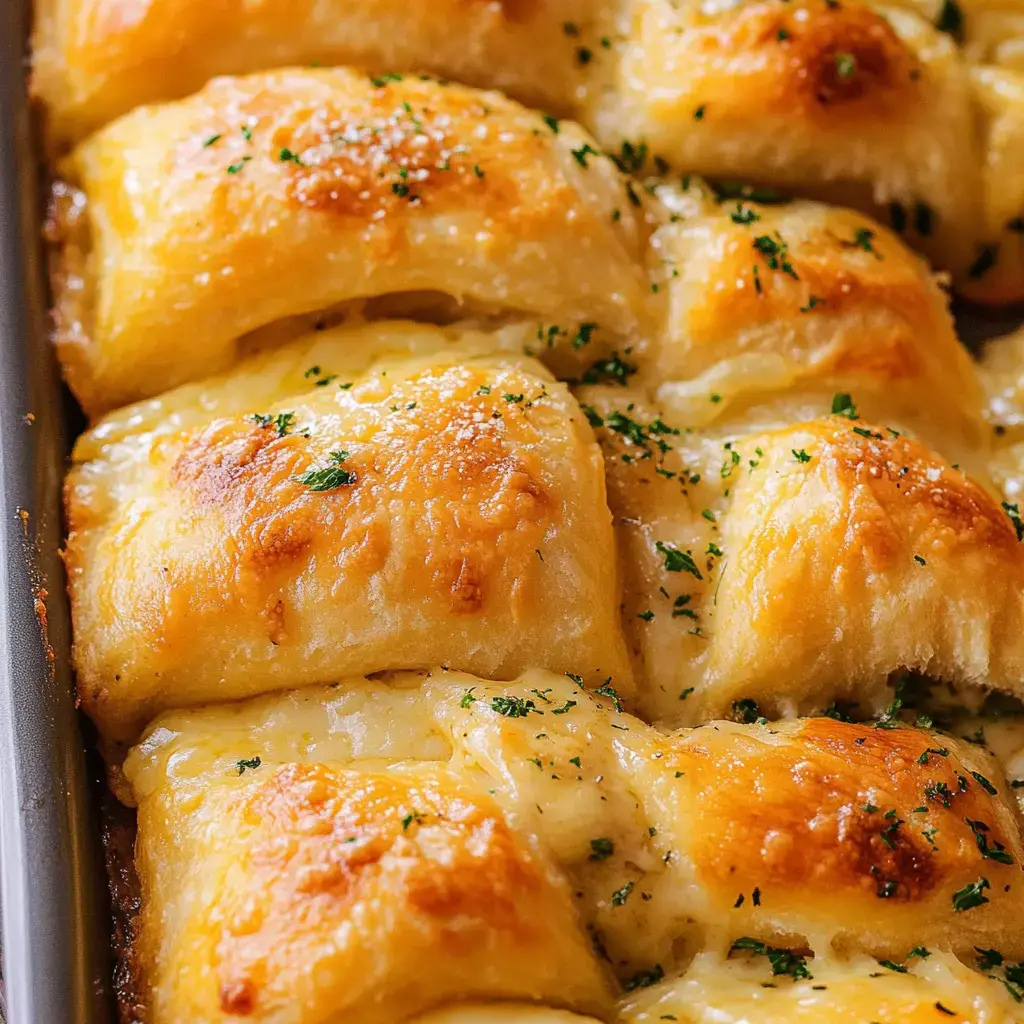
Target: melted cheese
312 889
468 528
773 552
867 104
934 990
497 819
1002 373
189 232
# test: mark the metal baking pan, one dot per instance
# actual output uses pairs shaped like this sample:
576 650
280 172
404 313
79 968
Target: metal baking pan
55 931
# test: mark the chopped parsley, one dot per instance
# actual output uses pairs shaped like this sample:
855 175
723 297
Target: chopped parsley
601 848
783 961
250 763
621 895
984 783
862 239
282 422
330 477
846 65
996 851
743 215
644 979
776 253
580 155
609 691
800 455
842 405
238 165
211 140
286 155
514 707
611 370
678 561
970 895
583 333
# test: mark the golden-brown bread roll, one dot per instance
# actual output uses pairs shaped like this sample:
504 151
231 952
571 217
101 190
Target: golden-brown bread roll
867 104
96 59
809 478
291 192
306 518
841 839
304 890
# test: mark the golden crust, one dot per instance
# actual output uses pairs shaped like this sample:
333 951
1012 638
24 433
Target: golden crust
843 840
867 104
292 192
466 519
766 297
788 566
854 836
401 890
96 59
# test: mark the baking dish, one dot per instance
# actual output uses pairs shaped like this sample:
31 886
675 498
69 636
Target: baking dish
51 936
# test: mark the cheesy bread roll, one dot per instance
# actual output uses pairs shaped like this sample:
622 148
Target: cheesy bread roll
736 830
332 866
832 836
776 986
803 561
182 228
839 838
760 299
867 105
815 834
434 510
96 59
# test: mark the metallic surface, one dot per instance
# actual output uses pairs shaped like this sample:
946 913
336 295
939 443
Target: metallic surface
54 916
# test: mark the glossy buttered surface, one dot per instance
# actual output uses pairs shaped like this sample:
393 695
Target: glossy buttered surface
301 855
909 110
513 578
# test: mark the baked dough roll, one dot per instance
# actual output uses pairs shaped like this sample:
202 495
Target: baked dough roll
759 299
96 59
800 564
859 104
314 859
815 834
930 987
841 838
288 193
737 495
836 837
297 522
